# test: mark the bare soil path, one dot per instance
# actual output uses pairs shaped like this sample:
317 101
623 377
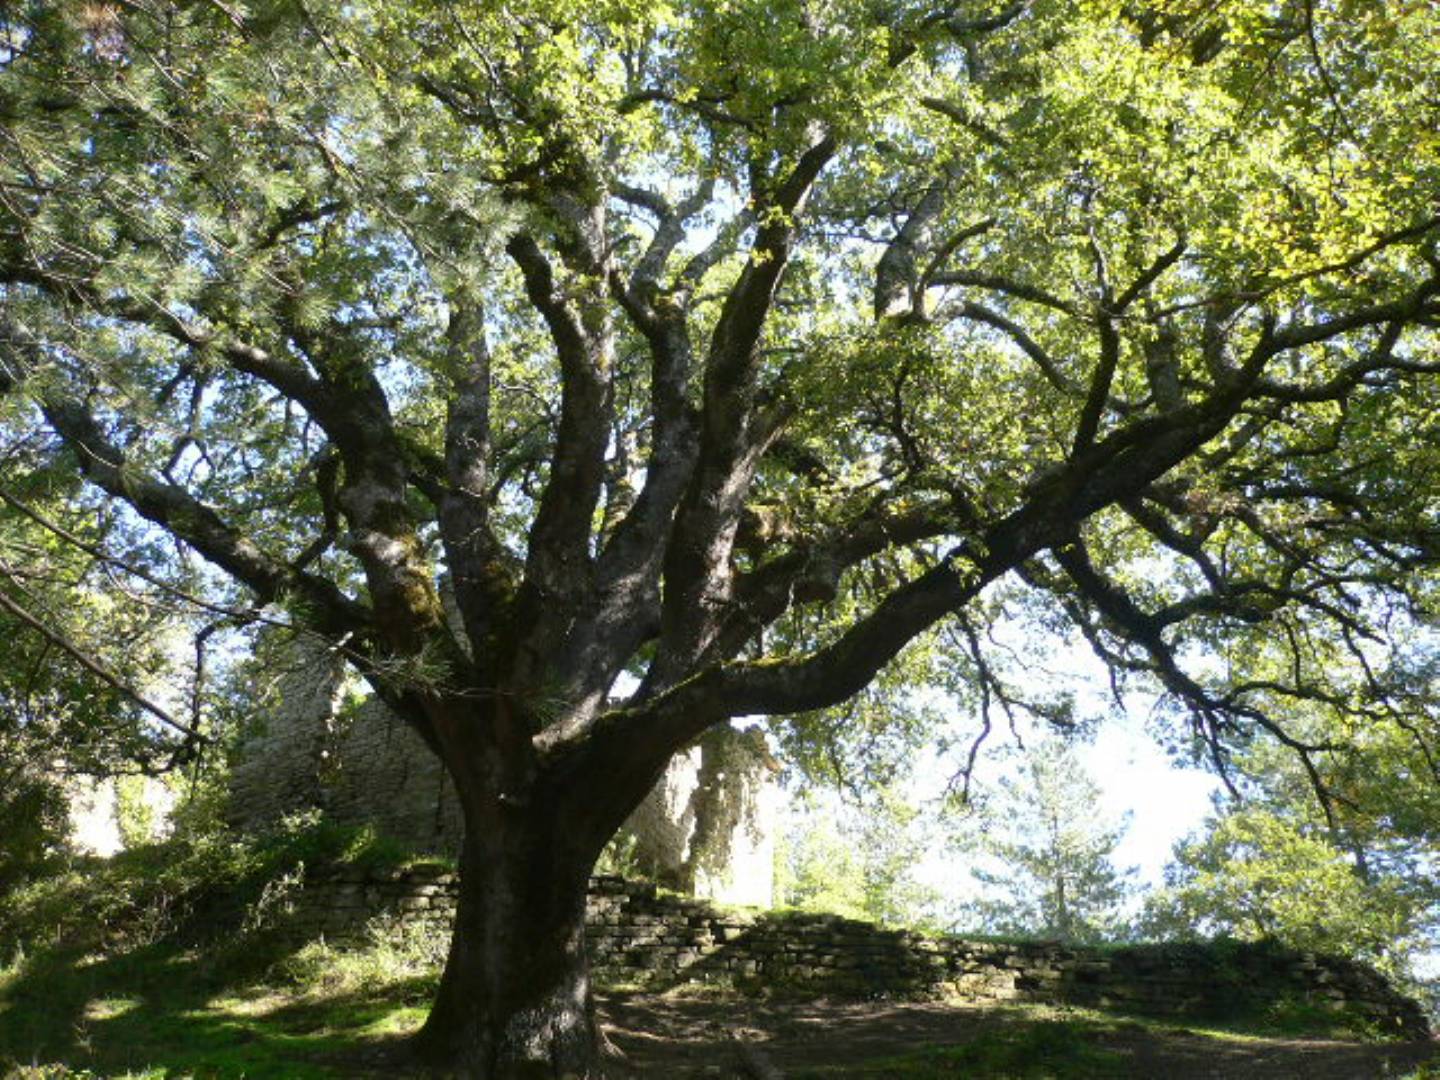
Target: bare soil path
663 1036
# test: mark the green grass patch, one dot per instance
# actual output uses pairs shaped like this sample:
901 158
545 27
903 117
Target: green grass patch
168 1011
172 960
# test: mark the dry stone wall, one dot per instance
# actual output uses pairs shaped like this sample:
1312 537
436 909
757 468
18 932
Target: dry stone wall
637 935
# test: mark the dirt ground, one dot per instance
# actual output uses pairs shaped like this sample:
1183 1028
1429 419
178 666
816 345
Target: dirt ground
664 1037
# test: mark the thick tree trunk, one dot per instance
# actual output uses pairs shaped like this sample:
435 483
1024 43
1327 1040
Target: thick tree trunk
514 1000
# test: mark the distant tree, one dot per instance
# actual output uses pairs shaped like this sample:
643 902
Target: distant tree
1358 881
83 649
1253 873
856 861
1046 854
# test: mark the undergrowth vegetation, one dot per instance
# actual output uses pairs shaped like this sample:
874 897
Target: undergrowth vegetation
171 959
143 894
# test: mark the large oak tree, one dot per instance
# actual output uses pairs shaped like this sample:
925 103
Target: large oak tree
717 350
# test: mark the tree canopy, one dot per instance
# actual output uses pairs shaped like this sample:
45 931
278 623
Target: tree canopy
735 346
1356 881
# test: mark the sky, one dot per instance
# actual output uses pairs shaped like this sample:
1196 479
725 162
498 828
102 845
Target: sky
1136 776
1160 798
1163 802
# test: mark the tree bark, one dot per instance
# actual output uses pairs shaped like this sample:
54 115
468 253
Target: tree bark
514 1000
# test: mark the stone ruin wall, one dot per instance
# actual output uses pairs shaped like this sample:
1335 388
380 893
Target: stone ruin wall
706 829
321 747
635 935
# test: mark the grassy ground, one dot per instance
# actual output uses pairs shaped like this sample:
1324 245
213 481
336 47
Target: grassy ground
164 1011
120 969
679 1036
170 961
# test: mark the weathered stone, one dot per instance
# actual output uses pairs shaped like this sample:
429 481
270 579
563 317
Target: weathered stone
633 934
708 827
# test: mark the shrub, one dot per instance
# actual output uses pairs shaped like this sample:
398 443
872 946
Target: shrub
148 892
33 823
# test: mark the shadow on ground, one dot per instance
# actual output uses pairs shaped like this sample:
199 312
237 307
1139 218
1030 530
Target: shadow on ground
669 1036
170 1011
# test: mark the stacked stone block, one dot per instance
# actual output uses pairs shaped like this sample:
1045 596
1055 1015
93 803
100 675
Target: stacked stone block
637 935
